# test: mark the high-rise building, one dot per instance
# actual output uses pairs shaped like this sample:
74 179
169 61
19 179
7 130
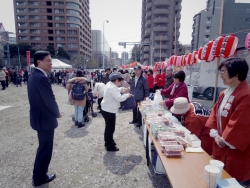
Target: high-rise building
124 58
206 24
60 23
160 26
98 43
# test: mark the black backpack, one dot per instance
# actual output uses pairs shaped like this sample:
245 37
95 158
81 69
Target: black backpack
78 91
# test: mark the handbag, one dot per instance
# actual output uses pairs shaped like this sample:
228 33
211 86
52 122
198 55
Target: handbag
128 104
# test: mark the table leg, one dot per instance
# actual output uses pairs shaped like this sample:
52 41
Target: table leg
147 148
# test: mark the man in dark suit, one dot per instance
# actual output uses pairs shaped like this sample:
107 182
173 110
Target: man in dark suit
43 115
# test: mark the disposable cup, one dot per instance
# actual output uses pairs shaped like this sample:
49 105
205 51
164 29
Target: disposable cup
211 174
218 164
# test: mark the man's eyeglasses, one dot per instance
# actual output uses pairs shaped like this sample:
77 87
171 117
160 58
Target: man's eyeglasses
222 71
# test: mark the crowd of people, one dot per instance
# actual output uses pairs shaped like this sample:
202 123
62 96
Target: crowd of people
223 131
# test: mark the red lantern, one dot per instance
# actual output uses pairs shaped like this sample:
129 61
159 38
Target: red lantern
200 51
217 46
194 57
229 46
171 60
184 61
178 61
247 42
188 59
207 52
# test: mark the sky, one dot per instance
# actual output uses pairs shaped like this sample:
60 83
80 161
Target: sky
124 18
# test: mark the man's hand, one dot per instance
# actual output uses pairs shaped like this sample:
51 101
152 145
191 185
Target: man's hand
219 141
162 103
60 115
130 95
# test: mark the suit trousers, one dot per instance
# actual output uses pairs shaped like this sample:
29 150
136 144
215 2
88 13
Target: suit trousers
137 115
3 84
99 103
43 155
109 129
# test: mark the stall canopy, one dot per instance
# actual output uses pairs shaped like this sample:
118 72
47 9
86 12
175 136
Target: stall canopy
57 64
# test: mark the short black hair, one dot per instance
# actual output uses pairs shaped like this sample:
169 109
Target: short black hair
180 75
151 72
79 73
236 66
40 55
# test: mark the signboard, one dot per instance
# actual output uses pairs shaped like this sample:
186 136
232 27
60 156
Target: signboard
28 57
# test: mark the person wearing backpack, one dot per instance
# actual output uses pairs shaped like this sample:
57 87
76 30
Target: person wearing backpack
78 89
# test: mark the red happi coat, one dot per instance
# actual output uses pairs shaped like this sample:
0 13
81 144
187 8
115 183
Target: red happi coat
157 80
195 123
235 131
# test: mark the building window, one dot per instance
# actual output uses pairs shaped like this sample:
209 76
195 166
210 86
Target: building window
33 10
60 25
248 20
57 3
60 32
73 25
34 17
20 3
59 17
207 37
73 12
22 31
36 45
21 17
22 24
59 11
72 32
33 3
248 10
35 38
71 18
72 38
21 9
72 46
34 24
60 38
60 45
23 38
72 5
35 31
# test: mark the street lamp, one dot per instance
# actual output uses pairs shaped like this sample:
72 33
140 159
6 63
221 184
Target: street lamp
103 43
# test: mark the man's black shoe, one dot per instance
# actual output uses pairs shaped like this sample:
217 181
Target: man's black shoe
112 143
138 125
113 149
47 180
132 122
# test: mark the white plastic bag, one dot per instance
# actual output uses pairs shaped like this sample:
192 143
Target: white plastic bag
157 99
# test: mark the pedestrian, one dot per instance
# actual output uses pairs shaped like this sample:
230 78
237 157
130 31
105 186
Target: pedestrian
108 72
79 104
139 88
150 81
169 77
2 78
98 92
228 121
44 112
110 104
6 78
177 89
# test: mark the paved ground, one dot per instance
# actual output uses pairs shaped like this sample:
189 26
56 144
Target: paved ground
79 157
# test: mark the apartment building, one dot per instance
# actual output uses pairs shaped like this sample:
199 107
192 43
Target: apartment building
124 58
160 26
60 23
206 24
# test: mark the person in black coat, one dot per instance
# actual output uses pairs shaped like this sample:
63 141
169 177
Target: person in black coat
44 112
139 89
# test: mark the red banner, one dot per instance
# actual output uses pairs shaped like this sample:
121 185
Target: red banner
28 57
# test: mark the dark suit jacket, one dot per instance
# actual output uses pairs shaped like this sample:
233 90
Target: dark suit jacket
140 90
43 107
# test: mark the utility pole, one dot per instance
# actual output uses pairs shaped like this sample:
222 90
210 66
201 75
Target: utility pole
175 36
110 53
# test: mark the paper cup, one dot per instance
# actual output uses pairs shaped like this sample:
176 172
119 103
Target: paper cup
211 174
218 164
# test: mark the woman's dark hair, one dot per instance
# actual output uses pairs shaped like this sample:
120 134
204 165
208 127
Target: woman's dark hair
121 71
236 66
40 55
79 73
180 75
126 71
120 79
151 72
